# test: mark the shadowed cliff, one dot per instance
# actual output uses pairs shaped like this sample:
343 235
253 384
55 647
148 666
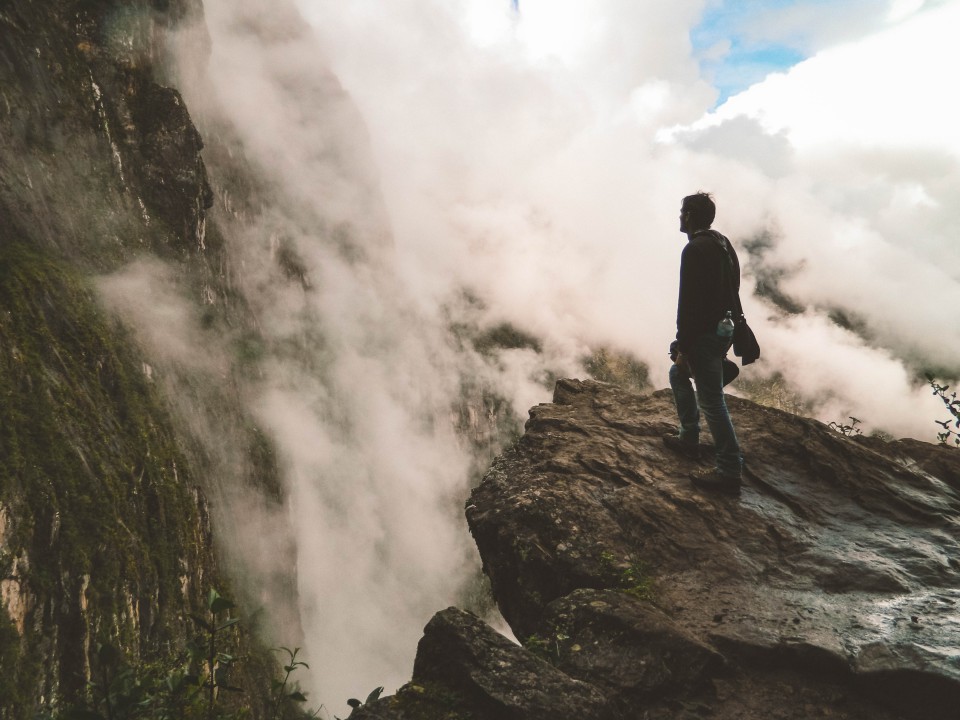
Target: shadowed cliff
829 588
105 533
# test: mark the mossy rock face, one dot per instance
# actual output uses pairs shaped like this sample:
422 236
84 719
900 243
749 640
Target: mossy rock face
624 645
419 701
104 535
97 157
105 532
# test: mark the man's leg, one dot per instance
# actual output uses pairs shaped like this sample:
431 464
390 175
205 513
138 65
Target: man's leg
686 401
708 374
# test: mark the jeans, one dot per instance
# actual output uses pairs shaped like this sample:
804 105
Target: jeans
708 350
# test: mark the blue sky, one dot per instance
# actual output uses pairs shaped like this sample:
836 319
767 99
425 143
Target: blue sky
740 42
730 56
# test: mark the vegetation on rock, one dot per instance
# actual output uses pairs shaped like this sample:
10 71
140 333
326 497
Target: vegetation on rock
951 426
106 530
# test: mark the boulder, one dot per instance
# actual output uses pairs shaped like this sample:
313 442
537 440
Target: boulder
623 644
838 565
465 669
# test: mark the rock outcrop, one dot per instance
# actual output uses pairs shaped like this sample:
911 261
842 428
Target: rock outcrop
829 588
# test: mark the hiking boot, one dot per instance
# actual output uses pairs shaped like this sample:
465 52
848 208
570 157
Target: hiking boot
716 482
685 447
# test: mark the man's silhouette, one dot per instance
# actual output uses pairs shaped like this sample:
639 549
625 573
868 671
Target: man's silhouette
709 279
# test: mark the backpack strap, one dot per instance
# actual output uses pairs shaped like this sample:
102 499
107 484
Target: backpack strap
745 344
726 270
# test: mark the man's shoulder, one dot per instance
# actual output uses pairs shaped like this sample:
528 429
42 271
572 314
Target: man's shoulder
705 241
708 236
710 241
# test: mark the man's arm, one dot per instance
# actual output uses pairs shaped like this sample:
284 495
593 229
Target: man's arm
691 281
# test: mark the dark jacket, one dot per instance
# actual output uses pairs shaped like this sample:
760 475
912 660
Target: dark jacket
704 295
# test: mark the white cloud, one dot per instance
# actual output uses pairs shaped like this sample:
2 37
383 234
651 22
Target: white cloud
886 90
902 9
865 213
812 26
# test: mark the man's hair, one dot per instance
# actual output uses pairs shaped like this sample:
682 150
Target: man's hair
701 208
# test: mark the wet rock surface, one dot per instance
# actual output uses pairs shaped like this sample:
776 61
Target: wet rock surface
829 588
501 680
623 644
839 561
465 669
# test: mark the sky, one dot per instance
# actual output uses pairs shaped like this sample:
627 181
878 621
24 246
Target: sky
533 156
739 43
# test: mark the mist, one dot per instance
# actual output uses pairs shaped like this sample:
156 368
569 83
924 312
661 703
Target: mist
545 153
417 152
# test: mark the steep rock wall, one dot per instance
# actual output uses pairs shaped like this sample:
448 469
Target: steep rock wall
104 530
106 537
99 158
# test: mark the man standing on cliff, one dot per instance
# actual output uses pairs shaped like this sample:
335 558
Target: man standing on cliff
709 277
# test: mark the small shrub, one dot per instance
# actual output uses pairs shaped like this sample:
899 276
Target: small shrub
850 430
186 687
356 704
951 426
631 578
281 692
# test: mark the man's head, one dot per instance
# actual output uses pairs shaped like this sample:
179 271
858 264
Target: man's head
697 212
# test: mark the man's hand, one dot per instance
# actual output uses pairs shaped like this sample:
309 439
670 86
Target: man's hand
684 364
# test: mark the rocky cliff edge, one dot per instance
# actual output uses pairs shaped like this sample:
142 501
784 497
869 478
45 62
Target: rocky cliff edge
829 588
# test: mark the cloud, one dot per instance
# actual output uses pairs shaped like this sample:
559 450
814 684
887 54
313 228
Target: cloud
147 294
876 171
883 90
811 26
743 140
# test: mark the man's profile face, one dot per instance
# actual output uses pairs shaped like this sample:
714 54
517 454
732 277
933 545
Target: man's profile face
684 215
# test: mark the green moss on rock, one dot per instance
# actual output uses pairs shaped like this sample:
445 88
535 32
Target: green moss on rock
99 498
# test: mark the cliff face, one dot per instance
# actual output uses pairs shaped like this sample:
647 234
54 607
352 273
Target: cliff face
107 211
829 588
104 534
99 158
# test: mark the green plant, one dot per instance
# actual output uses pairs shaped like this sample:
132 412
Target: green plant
628 577
952 405
280 686
120 691
850 430
539 646
356 704
555 643
218 663
186 687
117 693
